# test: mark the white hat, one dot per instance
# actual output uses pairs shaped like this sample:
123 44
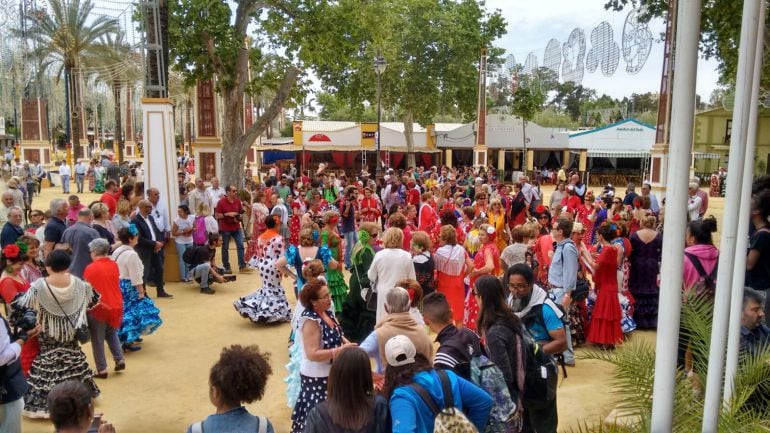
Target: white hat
399 351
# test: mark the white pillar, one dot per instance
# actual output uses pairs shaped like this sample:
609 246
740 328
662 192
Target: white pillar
160 152
716 362
682 120
739 277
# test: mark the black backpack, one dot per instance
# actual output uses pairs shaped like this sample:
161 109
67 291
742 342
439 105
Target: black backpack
541 374
707 282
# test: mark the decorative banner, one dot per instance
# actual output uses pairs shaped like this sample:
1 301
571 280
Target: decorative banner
320 137
637 42
604 50
574 51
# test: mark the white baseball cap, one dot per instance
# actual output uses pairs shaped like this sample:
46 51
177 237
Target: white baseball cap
399 351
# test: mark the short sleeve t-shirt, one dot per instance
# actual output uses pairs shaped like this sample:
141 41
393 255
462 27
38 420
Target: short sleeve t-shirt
229 223
54 230
758 278
552 323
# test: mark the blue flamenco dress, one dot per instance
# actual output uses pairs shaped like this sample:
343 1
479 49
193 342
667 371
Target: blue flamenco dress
140 316
293 378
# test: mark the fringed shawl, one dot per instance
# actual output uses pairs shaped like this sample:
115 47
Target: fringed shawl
74 299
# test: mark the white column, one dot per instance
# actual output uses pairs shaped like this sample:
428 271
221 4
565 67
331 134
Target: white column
739 277
682 120
160 152
716 362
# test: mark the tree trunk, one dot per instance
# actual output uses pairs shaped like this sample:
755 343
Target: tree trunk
117 136
408 120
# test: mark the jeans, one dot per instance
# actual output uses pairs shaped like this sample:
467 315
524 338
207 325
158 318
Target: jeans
79 181
202 272
10 416
183 267
237 235
569 354
101 331
350 241
541 418
65 184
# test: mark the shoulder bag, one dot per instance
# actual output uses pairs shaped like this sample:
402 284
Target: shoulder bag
369 295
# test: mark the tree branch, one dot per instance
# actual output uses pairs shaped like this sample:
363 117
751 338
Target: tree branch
281 96
216 61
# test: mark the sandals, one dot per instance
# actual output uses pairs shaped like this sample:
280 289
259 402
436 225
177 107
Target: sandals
120 366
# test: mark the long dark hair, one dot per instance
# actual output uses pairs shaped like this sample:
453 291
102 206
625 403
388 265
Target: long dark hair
494 309
350 389
403 375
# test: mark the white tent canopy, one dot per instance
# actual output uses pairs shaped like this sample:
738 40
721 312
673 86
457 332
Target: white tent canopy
625 139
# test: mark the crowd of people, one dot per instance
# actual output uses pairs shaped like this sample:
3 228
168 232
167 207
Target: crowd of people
504 278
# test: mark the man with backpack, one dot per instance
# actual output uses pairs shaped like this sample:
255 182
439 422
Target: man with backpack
543 319
201 259
562 275
457 346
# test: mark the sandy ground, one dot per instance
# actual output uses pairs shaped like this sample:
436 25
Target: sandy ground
165 385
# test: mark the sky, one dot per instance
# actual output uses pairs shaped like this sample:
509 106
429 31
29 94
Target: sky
532 23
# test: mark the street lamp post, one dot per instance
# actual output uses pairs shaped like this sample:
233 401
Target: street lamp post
379 68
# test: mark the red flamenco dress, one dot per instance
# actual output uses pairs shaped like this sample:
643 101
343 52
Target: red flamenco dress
9 288
605 321
294 222
479 261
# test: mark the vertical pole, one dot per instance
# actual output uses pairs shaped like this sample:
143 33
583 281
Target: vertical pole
716 361
736 299
378 169
682 119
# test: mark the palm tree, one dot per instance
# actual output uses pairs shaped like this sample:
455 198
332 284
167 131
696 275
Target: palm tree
634 364
119 53
68 37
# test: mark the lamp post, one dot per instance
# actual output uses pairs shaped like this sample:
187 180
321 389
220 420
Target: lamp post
379 68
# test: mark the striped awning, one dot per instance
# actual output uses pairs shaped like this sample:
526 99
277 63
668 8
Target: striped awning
706 155
617 154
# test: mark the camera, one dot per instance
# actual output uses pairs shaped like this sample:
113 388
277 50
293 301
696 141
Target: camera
229 278
23 319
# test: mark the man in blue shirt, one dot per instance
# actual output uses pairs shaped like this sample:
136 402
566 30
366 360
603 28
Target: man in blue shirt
543 319
755 335
562 274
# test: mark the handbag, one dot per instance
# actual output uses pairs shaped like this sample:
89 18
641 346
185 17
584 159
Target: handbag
581 290
367 292
81 333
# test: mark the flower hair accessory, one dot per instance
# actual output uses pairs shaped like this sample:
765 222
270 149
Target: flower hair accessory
11 251
540 209
23 247
132 230
490 230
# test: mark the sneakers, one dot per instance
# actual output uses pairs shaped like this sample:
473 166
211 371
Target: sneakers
207 291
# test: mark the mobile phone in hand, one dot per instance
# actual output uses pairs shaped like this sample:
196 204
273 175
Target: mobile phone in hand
97 421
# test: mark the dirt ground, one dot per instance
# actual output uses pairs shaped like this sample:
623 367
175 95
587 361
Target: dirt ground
165 385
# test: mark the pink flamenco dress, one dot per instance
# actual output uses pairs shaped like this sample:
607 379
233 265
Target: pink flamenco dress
605 327
471 306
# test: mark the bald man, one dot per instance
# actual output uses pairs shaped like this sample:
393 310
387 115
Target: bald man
151 242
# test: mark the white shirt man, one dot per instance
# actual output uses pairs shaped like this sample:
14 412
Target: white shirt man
200 195
159 212
215 191
64 170
693 202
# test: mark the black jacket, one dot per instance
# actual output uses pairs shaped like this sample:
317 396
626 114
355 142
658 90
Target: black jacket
146 245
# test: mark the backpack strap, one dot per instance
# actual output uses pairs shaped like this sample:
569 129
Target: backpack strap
197 427
426 398
698 265
446 387
261 424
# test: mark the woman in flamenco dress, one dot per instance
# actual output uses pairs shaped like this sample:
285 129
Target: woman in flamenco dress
605 328
331 239
485 262
268 304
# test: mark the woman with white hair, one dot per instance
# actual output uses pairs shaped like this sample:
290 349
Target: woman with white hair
105 318
398 321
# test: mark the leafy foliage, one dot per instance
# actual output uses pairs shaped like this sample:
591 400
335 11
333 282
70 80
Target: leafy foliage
634 364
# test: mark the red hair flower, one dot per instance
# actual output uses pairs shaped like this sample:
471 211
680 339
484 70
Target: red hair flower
540 209
11 251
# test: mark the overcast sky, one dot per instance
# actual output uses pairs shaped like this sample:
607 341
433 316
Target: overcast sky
531 24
